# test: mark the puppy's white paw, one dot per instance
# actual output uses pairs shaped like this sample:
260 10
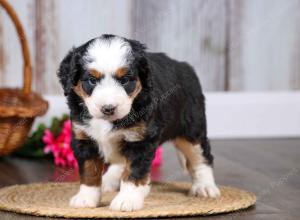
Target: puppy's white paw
204 182
130 197
127 203
205 189
88 196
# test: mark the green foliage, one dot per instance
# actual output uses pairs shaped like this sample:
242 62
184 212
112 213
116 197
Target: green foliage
57 124
34 146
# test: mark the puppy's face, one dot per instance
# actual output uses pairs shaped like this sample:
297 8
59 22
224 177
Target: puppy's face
108 83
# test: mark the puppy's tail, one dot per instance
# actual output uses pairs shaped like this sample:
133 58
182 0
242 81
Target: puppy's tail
182 161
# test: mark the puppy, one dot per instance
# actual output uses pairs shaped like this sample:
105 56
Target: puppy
123 103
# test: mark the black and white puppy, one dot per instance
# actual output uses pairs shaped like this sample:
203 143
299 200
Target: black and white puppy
123 103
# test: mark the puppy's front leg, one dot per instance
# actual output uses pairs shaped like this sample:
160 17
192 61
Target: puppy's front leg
135 183
90 170
112 177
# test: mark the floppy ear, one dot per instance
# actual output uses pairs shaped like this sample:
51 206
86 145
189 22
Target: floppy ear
145 74
69 72
142 64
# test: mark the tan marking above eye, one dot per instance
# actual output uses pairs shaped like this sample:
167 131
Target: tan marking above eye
121 72
95 73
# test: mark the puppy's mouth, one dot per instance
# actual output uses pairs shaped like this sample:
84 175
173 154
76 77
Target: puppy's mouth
110 118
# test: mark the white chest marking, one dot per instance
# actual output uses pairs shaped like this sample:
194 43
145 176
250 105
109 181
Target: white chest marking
101 131
108 140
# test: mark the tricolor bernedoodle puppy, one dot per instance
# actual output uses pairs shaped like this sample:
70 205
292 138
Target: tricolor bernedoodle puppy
123 103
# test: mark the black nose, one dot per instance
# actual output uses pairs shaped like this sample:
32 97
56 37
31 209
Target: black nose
108 109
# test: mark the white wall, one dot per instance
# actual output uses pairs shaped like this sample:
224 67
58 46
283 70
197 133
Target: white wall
234 45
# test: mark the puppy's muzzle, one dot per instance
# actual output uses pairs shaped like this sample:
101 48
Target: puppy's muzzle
108 110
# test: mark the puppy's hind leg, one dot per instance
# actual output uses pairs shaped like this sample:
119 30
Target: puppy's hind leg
199 168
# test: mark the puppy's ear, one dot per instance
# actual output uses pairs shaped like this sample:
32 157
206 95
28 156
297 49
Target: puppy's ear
145 74
68 72
142 64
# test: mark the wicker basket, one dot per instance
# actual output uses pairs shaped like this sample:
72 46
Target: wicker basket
18 107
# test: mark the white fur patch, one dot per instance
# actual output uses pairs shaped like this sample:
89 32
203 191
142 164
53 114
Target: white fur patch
109 92
130 197
108 55
108 140
101 131
204 182
98 129
87 196
111 179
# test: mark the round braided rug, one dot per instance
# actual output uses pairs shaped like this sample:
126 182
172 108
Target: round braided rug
165 200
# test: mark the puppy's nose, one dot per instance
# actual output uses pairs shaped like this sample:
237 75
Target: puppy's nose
108 109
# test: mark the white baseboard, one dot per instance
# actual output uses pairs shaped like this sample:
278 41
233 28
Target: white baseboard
235 115
253 115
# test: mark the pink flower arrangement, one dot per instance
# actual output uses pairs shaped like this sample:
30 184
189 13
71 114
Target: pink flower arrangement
60 146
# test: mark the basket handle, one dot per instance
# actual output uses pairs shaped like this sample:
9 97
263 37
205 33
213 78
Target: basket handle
27 69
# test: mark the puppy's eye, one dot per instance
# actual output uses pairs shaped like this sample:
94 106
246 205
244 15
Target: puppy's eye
124 80
92 81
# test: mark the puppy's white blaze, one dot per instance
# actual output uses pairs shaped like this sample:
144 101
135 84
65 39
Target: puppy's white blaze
109 92
130 197
87 196
108 55
204 182
111 179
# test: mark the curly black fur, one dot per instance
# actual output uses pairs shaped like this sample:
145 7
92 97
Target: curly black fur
171 104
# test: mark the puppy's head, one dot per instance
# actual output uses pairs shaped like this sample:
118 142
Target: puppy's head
107 73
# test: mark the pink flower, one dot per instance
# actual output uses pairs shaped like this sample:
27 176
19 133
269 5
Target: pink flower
157 157
60 146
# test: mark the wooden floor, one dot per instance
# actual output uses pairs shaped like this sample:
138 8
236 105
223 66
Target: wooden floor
270 168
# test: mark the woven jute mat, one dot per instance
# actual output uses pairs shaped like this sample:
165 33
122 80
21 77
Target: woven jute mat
165 200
